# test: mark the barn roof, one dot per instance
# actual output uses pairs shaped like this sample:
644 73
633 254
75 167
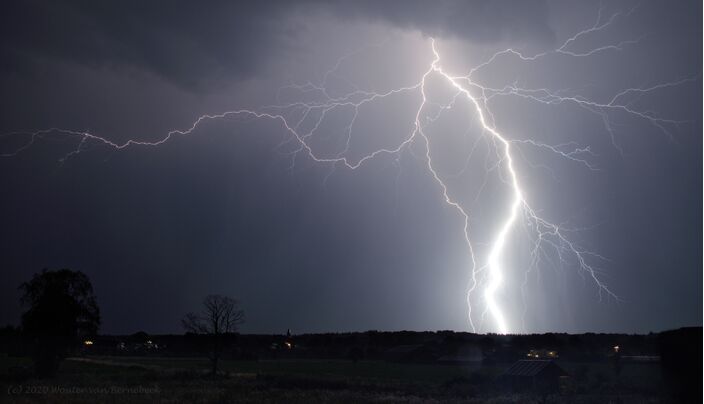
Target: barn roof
531 368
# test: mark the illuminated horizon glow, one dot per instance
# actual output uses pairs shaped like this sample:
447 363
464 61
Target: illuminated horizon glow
489 274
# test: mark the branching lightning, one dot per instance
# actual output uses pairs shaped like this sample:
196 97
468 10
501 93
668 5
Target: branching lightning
486 275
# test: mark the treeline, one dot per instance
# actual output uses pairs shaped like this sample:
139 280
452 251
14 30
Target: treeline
587 347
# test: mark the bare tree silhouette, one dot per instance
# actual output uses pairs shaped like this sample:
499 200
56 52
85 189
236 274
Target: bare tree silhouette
220 316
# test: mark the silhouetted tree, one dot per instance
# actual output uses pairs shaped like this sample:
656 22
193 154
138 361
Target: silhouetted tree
61 309
220 316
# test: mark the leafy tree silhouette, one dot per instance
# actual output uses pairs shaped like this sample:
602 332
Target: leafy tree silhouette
62 309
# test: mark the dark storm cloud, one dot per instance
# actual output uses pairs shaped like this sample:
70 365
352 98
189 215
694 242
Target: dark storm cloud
182 41
192 43
479 20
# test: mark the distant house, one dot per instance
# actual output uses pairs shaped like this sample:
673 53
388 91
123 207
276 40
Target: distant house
542 353
288 342
534 375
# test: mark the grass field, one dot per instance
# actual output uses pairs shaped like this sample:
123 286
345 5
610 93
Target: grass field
324 369
146 379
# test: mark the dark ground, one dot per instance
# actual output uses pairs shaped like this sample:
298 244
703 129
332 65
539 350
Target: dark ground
363 367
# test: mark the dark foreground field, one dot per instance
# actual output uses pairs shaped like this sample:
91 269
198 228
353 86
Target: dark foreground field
373 366
155 379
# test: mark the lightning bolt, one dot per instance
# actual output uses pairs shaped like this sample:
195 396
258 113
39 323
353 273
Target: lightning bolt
486 274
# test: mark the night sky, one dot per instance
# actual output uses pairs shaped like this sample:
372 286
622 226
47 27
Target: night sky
234 207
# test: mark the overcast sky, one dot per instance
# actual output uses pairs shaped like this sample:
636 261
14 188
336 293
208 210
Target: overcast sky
231 209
